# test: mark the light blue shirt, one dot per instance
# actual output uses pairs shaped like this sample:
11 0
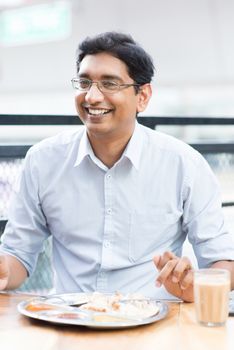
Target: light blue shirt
107 224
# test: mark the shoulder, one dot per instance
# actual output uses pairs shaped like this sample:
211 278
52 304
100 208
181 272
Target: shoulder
172 153
167 144
174 156
58 144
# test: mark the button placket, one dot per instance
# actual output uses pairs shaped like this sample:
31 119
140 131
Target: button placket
108 224
107 244
102 281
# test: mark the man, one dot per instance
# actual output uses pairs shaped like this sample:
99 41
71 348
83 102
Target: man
118 199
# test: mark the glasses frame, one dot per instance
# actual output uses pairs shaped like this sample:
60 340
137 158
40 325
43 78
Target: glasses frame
119 86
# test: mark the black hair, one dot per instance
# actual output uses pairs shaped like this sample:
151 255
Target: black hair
122 46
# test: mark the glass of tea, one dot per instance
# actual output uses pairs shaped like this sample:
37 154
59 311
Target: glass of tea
211 296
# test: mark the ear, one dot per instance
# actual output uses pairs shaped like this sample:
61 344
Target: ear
144 96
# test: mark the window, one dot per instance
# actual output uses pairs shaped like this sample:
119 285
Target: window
37 23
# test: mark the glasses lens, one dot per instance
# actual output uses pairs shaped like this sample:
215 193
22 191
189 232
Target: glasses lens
105 86
83 84
108 86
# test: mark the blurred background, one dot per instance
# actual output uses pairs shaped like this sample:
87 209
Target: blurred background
190 41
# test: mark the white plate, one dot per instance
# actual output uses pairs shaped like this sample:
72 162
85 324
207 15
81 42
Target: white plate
57 309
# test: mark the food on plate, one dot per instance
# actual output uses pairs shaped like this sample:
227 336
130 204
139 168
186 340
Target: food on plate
95 310
33 306
100 306
69 315
123 305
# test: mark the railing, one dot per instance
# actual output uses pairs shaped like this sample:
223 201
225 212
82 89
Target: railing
151 122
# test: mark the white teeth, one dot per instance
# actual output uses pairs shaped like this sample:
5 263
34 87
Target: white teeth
97 111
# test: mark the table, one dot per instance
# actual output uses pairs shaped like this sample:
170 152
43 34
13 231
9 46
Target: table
178 331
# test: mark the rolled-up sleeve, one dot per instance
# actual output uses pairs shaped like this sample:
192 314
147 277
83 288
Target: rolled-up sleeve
26 228
203 218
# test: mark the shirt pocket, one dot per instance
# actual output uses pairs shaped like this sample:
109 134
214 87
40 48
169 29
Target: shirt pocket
151 233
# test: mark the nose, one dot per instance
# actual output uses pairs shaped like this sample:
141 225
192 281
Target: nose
94 95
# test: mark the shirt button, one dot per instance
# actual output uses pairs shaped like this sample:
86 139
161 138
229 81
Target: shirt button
109 210
108 176
107 244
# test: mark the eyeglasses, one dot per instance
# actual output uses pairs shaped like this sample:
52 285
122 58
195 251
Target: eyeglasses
105 86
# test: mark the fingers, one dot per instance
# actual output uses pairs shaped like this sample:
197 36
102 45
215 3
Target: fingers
156 260
3 272
166 272
174 269
161 260
2 260
187 280
182 266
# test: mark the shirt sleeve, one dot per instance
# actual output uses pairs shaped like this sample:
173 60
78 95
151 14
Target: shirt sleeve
203 218
26 228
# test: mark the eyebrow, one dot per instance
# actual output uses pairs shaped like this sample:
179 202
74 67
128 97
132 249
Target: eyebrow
103 77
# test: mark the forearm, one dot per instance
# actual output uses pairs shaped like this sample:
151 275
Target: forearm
228 265
16 272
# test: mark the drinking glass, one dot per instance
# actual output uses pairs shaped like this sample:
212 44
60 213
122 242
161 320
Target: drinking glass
211 296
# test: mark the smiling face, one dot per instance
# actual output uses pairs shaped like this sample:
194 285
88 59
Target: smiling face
109 115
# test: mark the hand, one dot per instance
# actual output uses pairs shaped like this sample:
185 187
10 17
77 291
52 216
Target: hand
4 272
176 274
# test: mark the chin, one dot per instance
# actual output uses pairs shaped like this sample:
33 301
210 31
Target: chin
98 129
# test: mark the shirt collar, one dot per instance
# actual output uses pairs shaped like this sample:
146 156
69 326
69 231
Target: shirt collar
132 151
134 147
84 150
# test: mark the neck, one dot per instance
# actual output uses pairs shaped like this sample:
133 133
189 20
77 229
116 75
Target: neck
109 151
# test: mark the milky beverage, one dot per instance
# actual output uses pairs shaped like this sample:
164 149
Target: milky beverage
211 291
